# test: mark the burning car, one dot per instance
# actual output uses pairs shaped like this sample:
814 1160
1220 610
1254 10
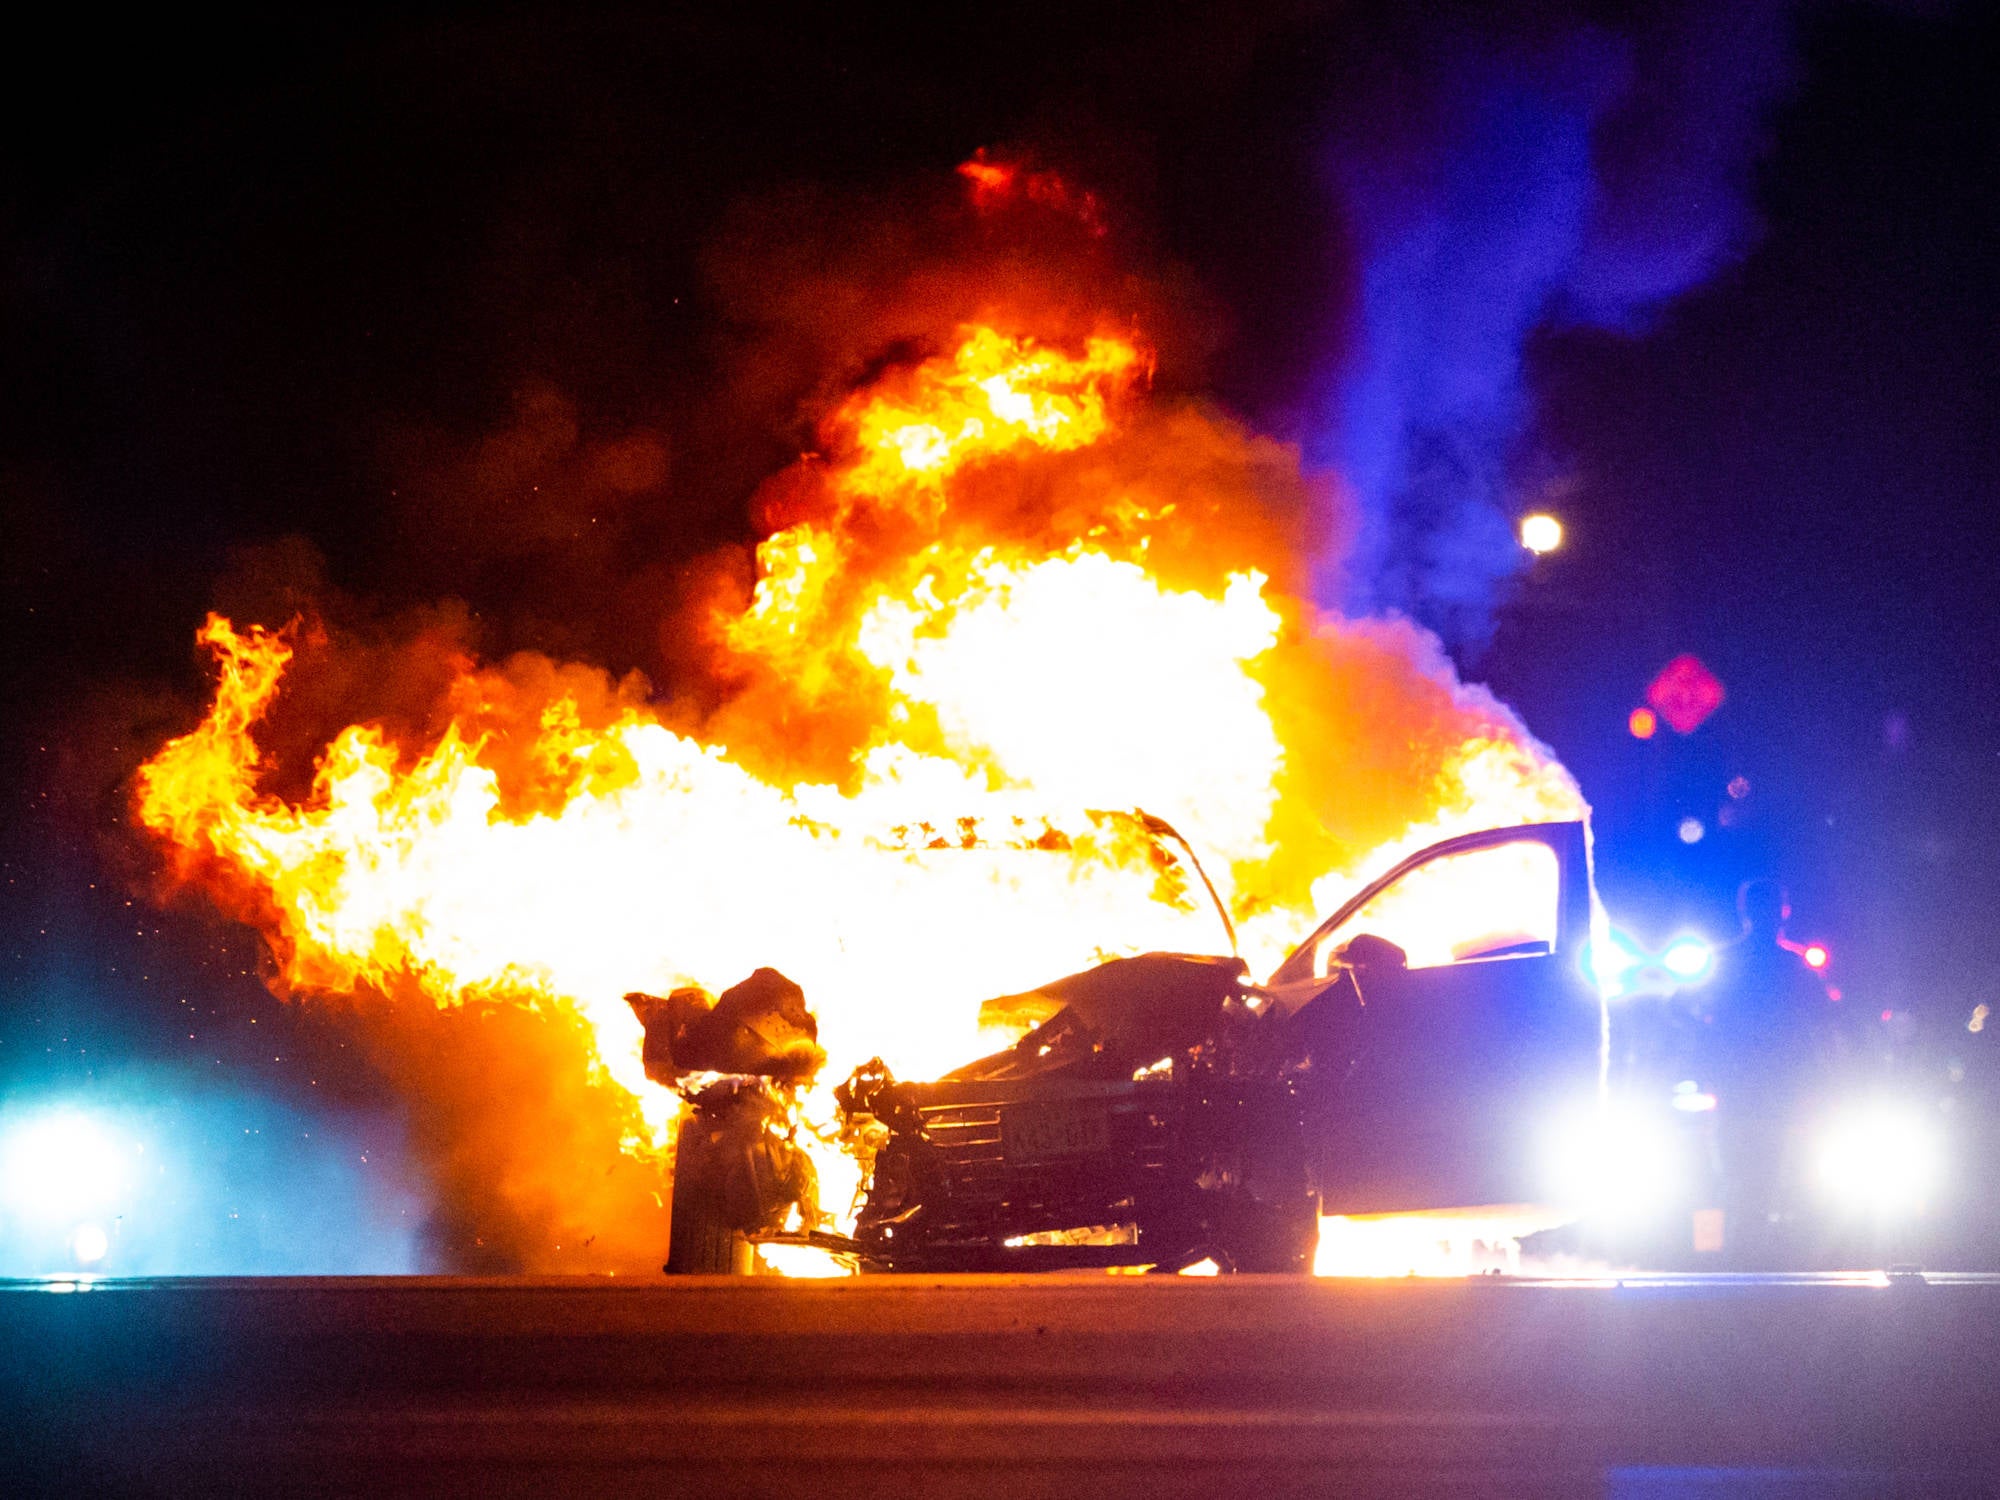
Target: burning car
1013 589
1164 1110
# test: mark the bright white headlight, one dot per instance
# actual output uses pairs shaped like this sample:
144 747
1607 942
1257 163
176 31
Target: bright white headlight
89 1244
60 1164
1688 958
1881 1159
1616 1163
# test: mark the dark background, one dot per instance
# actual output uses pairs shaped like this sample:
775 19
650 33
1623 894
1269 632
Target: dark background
292 278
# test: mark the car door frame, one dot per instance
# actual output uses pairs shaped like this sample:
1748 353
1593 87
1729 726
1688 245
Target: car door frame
1509 1171
1569 841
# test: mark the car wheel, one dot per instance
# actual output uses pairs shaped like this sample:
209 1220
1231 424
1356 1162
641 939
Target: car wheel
701 1243
702 1239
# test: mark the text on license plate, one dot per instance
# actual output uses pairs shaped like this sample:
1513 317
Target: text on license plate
1034 1132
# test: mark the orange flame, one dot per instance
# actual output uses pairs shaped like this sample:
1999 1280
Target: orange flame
989 179
993 395
1026 602
992 184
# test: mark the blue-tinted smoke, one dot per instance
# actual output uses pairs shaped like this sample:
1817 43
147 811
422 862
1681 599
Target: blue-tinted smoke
1495 178
157 1174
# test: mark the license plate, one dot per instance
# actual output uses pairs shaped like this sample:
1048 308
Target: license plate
1036 1132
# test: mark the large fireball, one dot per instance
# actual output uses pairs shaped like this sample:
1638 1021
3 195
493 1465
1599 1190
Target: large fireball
1018 599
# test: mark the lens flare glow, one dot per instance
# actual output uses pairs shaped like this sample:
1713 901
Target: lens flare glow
163 1173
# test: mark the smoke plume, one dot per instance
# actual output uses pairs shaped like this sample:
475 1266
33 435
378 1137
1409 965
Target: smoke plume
1502 173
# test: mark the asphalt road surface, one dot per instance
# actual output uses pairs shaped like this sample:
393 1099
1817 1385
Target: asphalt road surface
973 1386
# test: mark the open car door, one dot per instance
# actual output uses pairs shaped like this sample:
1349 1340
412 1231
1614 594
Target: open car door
1452 1000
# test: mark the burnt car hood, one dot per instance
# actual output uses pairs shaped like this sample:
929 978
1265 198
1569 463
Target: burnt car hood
1119 1015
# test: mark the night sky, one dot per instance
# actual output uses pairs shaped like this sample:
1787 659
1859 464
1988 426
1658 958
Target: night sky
1720 294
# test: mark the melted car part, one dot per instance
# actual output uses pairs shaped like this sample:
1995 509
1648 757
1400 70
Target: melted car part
996 1165
1128 1013
759 1027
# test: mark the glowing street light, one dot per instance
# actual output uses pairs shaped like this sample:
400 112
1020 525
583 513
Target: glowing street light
1541 533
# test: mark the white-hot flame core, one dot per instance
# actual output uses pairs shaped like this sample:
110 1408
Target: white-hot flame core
1081 678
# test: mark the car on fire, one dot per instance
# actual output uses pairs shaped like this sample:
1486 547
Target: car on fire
1165 1110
